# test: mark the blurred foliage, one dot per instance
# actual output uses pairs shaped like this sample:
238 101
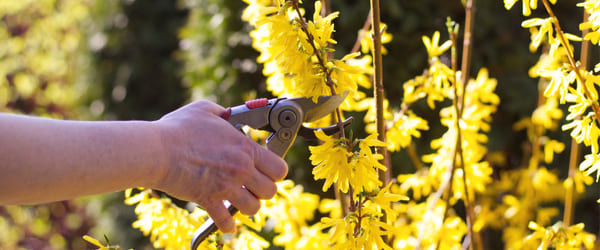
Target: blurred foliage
219 62
43 69
133 44
40 49
58 225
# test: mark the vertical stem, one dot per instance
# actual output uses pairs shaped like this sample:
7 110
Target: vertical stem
326 9
339 195
458 144
465 68
384 176
414 157
575 147
585 46
570 192
467 46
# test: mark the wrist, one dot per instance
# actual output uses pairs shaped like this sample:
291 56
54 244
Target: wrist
159 165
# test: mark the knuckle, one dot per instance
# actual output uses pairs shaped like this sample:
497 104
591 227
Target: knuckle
283 169
272 190
252 207
248 204
220 216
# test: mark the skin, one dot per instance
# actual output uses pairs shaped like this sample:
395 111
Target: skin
191 154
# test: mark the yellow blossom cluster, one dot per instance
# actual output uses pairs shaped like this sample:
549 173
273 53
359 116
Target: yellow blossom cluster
39 40
287 214
363 228
592 7
572 237
480 103
169 226
562 81
568 82
335 162
295 51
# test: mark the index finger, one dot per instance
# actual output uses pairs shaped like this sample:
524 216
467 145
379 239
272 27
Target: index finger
270 164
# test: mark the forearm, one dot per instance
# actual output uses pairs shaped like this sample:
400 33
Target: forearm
44 160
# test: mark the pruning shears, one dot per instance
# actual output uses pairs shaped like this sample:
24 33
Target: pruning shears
283 117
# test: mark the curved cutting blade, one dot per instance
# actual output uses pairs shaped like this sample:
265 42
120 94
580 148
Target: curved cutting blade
325 105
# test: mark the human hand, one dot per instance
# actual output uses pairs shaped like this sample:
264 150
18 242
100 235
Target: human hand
209 161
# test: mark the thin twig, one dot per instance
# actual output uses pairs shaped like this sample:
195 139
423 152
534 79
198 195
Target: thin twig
575 147
465 68
362 32
458 145
431 205
414 157
384 176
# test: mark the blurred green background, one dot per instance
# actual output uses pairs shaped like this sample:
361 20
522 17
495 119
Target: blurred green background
128 59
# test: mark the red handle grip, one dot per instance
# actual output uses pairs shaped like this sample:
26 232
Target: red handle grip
258 103
226 114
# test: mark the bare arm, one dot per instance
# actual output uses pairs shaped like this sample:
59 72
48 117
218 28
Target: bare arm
191 154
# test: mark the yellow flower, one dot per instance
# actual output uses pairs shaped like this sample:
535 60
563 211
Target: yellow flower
550 147
404 128
366 44
321 28
548 114
420 183
433 49
331 161
585 130
384 200
334 163
95 242
591 164
593 8
580 181
528 5
560 237
168 225
545 28
249 240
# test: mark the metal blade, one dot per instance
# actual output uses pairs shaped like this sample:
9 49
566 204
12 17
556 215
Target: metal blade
325 105
309 133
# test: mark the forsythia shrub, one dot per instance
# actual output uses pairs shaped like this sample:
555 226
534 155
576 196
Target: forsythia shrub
415 210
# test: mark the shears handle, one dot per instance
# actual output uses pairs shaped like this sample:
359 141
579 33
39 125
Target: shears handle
209 226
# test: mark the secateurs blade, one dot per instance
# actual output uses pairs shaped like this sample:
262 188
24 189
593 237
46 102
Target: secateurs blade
283 117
